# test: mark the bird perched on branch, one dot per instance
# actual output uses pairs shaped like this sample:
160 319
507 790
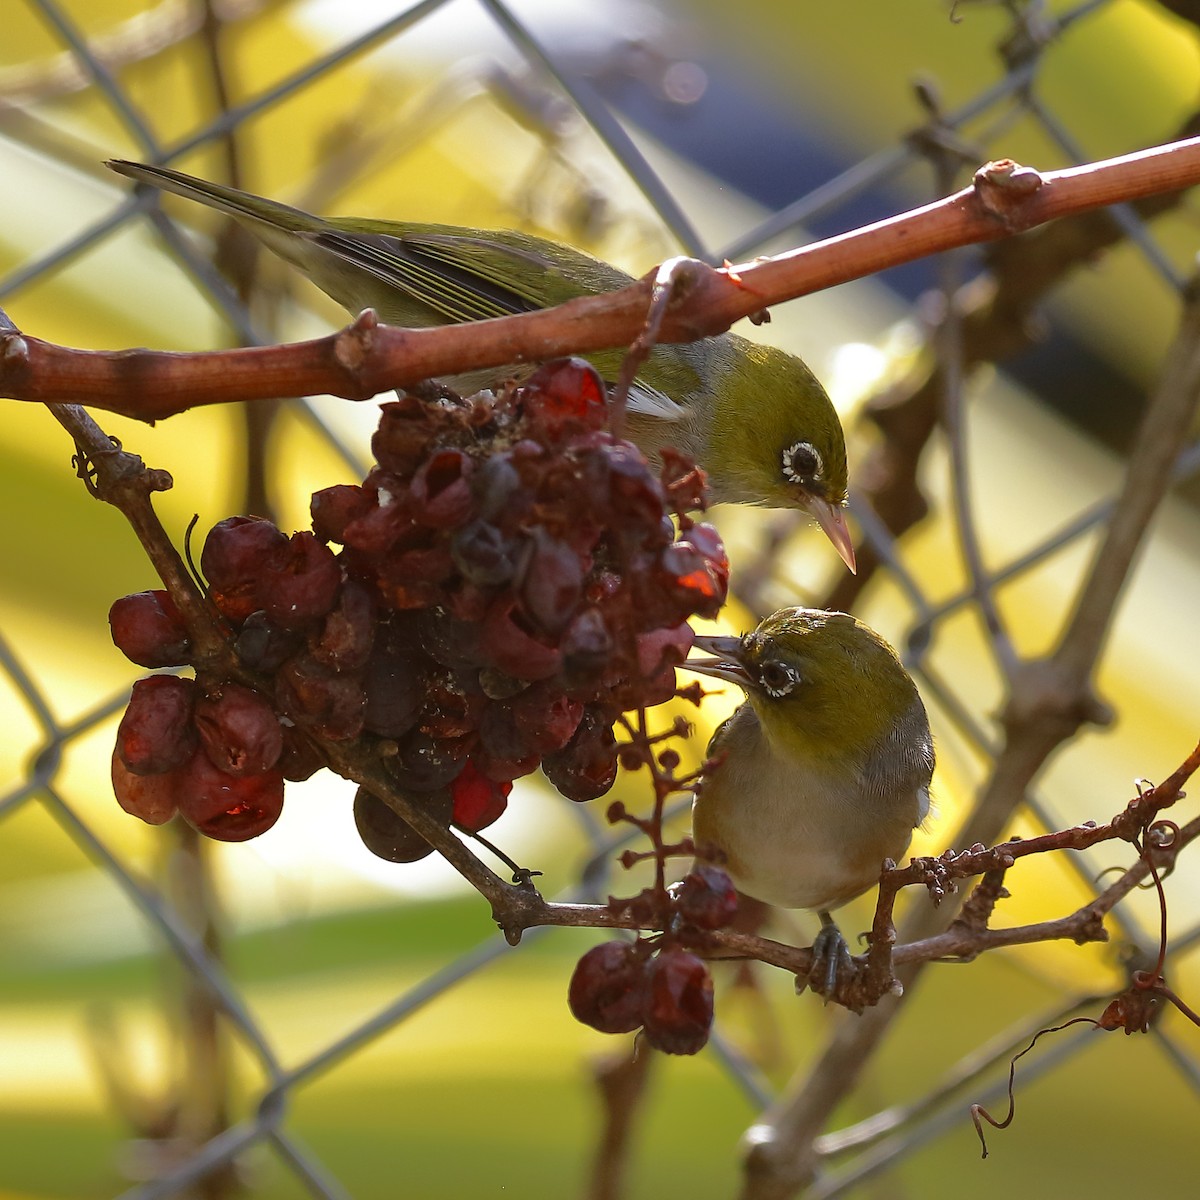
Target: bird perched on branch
755 418
823 771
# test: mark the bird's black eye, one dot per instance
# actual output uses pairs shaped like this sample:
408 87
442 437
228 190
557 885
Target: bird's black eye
801 463
777 678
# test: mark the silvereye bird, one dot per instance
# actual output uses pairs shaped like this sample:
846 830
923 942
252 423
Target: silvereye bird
823 771
754 417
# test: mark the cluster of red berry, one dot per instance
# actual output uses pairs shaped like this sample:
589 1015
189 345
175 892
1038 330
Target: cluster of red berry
510 580
654 984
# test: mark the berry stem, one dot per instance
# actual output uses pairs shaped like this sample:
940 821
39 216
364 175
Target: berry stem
123 480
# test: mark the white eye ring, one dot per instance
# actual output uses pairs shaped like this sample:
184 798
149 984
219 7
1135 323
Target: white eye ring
789 470
786 678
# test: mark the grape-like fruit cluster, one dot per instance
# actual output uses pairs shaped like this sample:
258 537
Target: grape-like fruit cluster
509 581
618 987
663 989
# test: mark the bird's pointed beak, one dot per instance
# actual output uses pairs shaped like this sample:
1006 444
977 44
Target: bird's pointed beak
832 520
725 663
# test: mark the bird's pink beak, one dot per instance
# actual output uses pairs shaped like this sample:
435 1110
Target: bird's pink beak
832 520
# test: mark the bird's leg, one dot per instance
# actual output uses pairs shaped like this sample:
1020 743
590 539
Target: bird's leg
831 956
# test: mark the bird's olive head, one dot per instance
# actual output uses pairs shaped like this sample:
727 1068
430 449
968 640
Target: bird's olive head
777 440
819 681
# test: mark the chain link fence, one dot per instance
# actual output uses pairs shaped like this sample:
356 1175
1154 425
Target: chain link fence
982 523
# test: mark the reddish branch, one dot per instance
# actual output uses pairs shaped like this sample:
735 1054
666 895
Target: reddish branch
366 358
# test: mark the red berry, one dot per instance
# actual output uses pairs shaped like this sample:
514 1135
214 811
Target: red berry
385 518
344 639
514 649
544 718
227 808
156 733
707 897
449 641
504 770
679 1002
565 396
441 490
478 801
636 496
316 698
333 508
697 580
150 797
453 704
147 629
412 578
239 730
499 735
549 582
232 561
299 582
663 647
407 426
587 645
586 767
608 987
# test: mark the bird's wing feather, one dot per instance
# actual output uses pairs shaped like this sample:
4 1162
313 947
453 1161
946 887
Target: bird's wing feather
438 274
471 279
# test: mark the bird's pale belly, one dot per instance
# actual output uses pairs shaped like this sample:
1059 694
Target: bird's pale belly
798 850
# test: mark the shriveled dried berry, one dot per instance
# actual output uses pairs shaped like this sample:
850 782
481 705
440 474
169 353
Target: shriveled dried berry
424 764
513 647
333 508
299 582
608 987
483 554
565 397
262 645
300 759
147 629
319 699
150 797
238 728
549 582
394 686
679 1002
228 808
232 561
156 733
441 489
586 767
706 897
343 640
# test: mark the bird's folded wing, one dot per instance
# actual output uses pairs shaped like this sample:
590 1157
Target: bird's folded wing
437 273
